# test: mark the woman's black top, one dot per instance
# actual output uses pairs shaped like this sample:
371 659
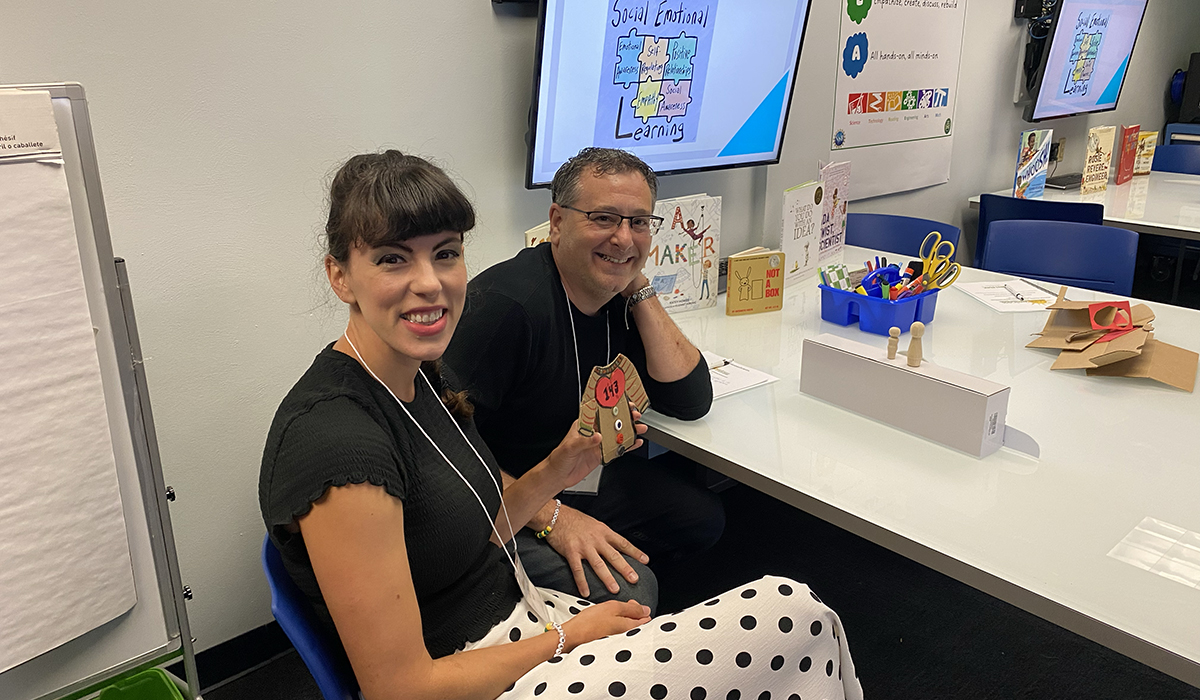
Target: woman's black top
339 426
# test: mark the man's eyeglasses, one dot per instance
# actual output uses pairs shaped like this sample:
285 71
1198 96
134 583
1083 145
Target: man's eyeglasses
610 221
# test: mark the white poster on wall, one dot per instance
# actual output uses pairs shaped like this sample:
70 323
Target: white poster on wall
897 83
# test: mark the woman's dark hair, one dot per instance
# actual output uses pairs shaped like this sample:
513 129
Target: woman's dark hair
379 199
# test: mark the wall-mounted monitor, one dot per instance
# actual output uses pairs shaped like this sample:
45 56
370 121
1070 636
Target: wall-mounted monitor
1084 66
684 84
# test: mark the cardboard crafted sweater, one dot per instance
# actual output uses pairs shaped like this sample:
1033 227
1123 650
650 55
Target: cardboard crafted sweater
612 390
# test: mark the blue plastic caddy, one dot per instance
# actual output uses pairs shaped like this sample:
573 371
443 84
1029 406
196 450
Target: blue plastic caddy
874 314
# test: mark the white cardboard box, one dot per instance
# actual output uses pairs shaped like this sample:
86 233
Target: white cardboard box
955 409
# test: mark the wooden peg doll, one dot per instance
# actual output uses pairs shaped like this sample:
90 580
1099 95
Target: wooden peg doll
893 342
914 345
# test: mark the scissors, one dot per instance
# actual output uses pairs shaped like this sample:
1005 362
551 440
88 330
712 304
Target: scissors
939 268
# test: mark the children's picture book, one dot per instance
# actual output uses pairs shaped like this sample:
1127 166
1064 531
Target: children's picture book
537 235
755 282
1146 143
1128 138
1097 158
1033 160
685 252
800 236
836 177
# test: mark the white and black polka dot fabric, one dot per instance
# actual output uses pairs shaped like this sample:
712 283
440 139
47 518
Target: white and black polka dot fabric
770 639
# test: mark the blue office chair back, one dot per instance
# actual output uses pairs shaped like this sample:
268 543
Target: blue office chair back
1177 158
292 610
994 207
1064 252
897 234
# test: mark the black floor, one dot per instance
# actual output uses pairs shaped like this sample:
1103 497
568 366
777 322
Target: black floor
914 633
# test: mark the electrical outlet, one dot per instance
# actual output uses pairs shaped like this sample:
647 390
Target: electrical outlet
1062 150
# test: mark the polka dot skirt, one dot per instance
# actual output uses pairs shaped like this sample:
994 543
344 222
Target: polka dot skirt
772 638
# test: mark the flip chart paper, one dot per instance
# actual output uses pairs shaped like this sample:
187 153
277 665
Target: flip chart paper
64 554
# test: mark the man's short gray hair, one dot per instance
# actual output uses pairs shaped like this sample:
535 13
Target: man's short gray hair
598 161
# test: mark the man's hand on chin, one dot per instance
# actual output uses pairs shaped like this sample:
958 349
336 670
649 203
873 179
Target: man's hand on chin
638 282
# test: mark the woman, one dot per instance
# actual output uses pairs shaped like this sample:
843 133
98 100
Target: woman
387 508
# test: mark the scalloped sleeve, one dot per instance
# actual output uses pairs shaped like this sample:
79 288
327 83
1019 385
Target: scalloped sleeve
333 443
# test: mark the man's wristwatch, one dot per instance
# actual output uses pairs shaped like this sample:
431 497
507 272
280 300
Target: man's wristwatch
636 298
639 296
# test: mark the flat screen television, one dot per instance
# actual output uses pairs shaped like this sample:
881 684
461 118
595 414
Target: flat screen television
1083 68
684 84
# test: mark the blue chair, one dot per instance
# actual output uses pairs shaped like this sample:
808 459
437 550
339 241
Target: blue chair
1064 252
994 207
896 234
1177 158
1186 129
292 610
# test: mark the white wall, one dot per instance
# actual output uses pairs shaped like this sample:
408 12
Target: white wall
218 123
987 124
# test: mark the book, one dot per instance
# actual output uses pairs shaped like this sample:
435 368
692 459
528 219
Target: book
836 177
1146 143
1128 138
1033 159
1097 158
755 282
800 235
685 252
537 235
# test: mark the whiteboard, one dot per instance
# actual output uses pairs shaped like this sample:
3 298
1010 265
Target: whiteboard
152 628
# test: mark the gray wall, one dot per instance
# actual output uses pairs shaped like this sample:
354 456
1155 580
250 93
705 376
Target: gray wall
217 124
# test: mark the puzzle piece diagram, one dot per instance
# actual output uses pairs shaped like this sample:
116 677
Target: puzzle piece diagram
661 68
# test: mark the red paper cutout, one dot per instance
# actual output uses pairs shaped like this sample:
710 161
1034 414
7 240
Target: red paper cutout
1122 315
1115 334
609 390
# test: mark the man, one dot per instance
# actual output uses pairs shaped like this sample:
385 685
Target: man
534 328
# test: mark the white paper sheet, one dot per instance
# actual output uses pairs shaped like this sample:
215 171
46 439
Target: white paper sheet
64 554
728 377
1003 296
27 124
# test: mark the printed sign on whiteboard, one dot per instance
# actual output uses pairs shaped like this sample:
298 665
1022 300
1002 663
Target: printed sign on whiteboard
27 123
897 82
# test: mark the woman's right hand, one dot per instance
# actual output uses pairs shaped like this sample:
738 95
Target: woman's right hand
603 620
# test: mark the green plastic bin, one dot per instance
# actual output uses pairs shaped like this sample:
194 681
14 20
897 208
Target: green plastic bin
147 685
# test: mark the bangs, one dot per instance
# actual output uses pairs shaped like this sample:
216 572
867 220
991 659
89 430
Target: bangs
386 198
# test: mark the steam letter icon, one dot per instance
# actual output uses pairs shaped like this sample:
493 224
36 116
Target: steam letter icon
854 56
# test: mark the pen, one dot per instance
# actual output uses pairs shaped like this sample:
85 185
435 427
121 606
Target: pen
1034 284
723 363
1013 292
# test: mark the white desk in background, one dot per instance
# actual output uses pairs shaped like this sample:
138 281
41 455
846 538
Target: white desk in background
1036 533
1164 204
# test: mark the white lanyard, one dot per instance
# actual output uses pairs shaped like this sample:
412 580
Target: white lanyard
575 340
533 599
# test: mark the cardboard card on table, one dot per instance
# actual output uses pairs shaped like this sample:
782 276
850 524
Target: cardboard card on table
1099 354
1162 362
1070 324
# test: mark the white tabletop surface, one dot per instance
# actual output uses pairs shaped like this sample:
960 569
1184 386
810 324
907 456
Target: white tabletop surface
1034 531
1167 204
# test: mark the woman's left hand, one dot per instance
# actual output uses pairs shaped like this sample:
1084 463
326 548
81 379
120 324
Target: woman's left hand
576 456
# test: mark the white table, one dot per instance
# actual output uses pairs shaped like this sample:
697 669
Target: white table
1165 204
1034 532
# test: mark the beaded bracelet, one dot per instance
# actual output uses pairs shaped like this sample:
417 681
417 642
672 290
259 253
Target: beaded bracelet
562 637
553 519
